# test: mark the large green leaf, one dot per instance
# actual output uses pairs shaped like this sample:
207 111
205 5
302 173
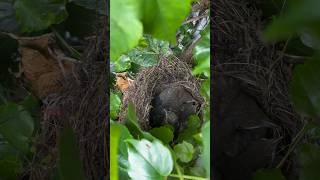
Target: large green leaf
202 56
125 27
16 125
309 157
304 88
123 152
149 160
36 15
162 18
118 151
7 17
115 131
268 174
69 163
184 151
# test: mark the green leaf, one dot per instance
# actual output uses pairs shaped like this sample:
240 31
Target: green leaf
69 163
309 157
115 131
123 167
115 102
197 171
162 18
143 57
125 27
194 122
132 113
10 162
205 89
122 64
7 17
187 134
164 134
118 151
268 174
184 151
202 56
132 125
304 88
206 147
36 15
16 125
149 160
146 54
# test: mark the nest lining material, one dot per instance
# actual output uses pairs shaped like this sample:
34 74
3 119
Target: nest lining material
149 82
263 71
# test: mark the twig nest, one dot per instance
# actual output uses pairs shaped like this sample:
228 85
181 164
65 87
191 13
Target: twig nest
150 82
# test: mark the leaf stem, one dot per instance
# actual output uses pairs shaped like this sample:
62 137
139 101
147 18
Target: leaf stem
178 171
187 177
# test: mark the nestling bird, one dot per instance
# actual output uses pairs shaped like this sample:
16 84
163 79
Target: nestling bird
173 106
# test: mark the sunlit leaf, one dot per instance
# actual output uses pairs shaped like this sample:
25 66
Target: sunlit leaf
162 18
118 151
115 131
125 27
149 160
202 56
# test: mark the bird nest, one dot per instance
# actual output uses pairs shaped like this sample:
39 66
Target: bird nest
82 101
169 72
263 69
